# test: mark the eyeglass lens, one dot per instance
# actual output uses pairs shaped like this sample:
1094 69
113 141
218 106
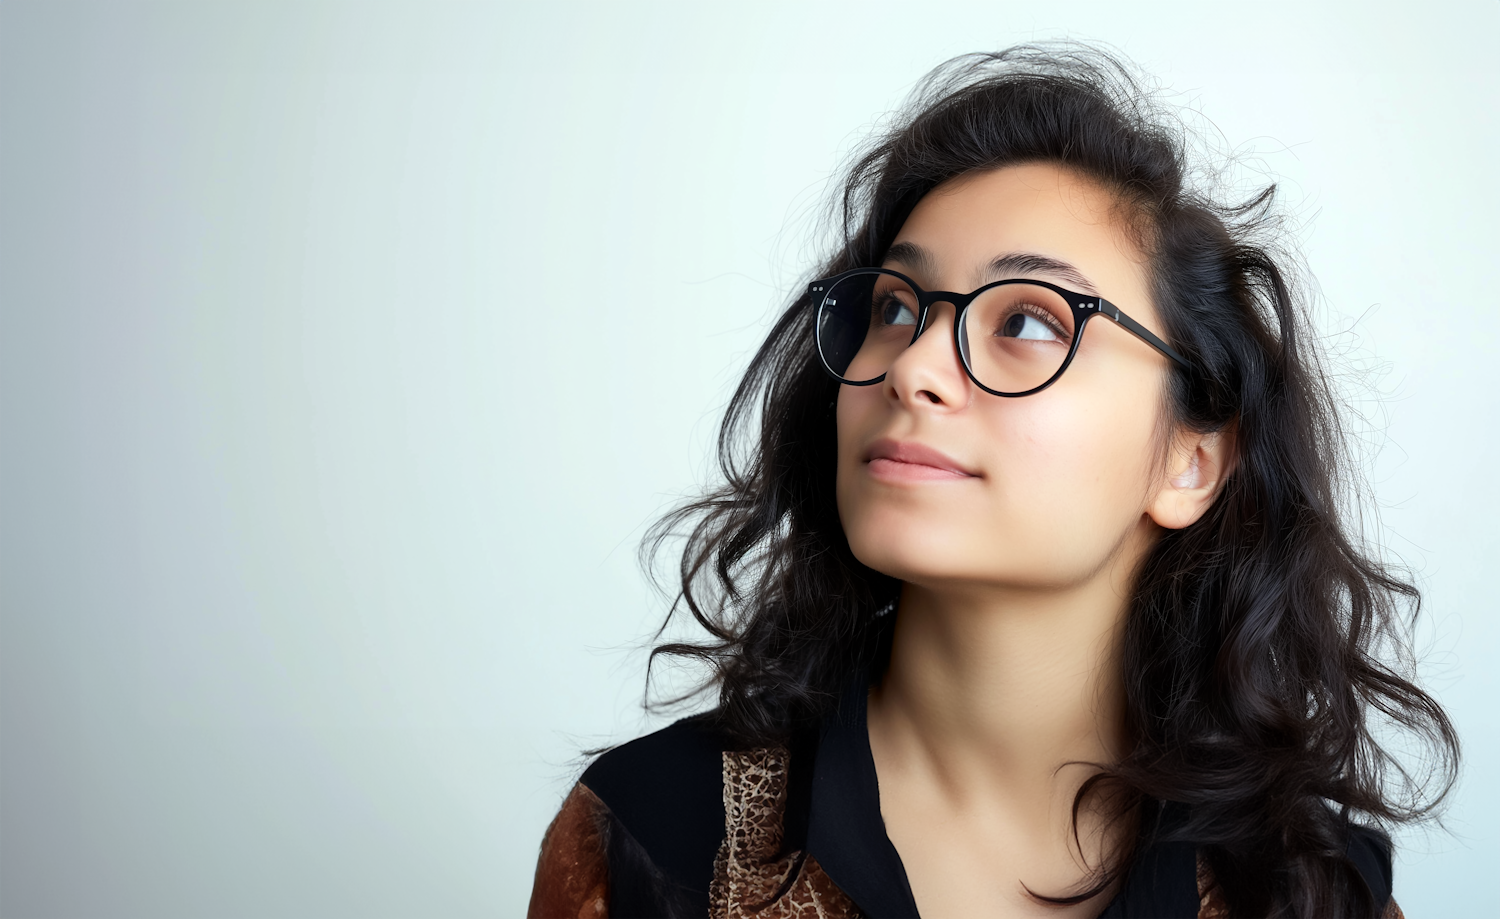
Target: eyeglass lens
1013 337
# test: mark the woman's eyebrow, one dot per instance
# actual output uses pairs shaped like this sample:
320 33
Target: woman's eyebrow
1010 265
912 256
1029 263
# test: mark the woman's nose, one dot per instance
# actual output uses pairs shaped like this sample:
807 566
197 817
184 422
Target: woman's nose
930 372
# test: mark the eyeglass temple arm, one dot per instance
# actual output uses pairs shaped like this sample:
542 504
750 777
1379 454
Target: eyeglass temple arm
1140 331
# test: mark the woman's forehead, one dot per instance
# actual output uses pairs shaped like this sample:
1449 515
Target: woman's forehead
1035 219
917 260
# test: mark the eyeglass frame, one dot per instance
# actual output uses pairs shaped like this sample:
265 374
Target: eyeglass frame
1084 306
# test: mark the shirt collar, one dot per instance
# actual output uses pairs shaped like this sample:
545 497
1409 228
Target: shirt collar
845 832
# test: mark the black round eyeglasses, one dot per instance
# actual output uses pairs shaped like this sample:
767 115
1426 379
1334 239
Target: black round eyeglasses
1015 337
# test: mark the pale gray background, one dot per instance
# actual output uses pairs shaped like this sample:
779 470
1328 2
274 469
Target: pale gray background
347 349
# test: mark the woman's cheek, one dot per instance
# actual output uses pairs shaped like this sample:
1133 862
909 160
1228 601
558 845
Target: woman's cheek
1065 477
853 414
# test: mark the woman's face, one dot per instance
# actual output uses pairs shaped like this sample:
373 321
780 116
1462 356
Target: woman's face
940 482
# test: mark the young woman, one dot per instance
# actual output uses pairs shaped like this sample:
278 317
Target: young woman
1030 590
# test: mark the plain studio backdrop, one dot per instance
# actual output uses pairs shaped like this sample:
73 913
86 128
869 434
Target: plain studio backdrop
348 349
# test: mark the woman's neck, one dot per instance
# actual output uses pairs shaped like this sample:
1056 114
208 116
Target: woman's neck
999 688
993 712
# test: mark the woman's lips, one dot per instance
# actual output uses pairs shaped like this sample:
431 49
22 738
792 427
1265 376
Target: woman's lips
908 462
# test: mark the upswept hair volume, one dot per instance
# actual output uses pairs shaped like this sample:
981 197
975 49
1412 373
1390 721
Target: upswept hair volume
1253 649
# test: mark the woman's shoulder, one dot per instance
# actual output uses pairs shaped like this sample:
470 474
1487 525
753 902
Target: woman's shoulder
1368 849
666 790
643 770
572 868
639 832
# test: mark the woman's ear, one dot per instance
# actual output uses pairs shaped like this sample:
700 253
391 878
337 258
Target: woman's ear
1197 468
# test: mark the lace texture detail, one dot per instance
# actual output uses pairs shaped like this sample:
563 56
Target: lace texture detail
752 876
1211 903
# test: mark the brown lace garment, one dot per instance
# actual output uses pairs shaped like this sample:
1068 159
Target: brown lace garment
572 874
752 876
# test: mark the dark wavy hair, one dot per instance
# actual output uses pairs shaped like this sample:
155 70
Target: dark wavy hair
1266 644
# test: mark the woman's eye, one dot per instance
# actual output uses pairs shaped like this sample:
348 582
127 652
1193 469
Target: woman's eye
1027 326
894 312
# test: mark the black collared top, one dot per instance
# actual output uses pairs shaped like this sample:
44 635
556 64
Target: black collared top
665 796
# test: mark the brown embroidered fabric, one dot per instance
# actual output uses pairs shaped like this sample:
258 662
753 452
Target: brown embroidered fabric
1211 903
572 875
752 876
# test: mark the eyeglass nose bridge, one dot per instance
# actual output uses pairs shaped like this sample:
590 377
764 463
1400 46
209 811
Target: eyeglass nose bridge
928 299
